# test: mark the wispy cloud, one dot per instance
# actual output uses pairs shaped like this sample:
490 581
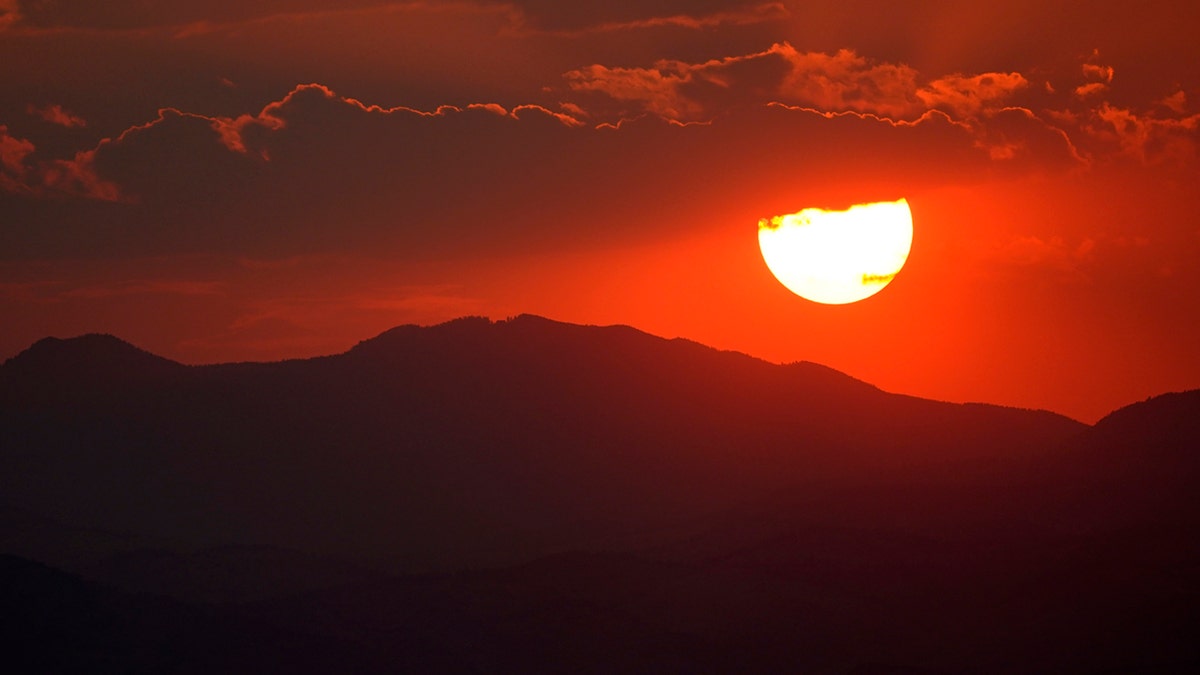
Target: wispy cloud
1146 136
56 114
970 96
832 82
21 174
233 131
13 154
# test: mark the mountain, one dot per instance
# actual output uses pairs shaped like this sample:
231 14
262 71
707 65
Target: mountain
1028 572
1137 467
532 496
466 443
1161 423
91 363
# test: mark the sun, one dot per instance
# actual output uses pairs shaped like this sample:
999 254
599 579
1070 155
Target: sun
838 257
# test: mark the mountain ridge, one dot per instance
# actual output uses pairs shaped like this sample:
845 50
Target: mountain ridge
486 441
91 356
101 354
550 497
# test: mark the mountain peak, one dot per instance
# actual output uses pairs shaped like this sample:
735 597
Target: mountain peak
471 329
86 358
1168 419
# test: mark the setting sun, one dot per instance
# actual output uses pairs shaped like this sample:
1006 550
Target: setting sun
838 257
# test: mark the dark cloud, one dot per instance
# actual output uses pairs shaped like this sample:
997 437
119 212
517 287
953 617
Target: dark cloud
310 170
548 15
132 14
552 15
419 55
316 171
1020 34
834 82
1002 111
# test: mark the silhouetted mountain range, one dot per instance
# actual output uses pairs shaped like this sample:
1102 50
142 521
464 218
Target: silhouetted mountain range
726 513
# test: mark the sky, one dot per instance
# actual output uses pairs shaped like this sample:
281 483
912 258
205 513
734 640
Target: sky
216 180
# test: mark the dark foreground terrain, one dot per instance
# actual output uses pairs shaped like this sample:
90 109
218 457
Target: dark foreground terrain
529 496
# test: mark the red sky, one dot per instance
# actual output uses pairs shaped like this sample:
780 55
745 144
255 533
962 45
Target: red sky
219 180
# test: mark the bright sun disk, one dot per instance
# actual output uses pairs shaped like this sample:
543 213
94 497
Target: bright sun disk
838 257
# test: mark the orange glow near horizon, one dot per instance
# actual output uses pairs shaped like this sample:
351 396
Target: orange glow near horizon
838 257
